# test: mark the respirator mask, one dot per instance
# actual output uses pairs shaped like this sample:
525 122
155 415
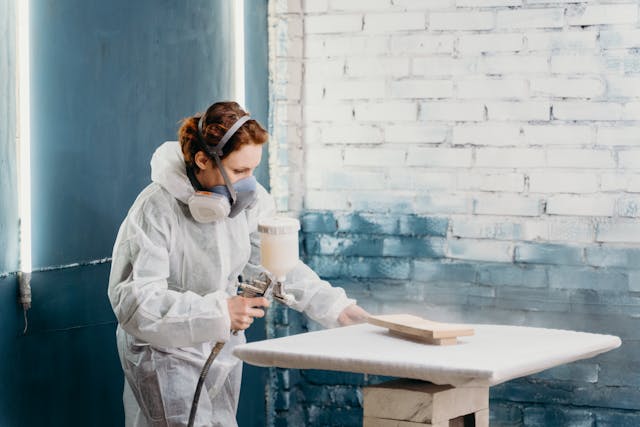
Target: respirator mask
226 200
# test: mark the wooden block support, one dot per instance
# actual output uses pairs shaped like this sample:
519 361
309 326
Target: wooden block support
422 402
383 422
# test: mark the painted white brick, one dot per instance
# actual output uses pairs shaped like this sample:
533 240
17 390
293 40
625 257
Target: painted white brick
323 156
344 45
492 88
288 92
631 111
620 38
623 87
412 179
323 24
359 5
382 201
386 111
562 182
319 71
628 207
620 182
487 134
487 3
314 178
412 133
570 158
321 200
354 180
630 63
451 111
503 42
619 232
412 88
513 64
352 134
584 110
481 228
422 5
509 182
532 110
603 14
564 40
567 88
449 21
441 66
613 136
388 22
510 157
378 157
288 113
355 89
367 67
294 26
507 205
439 157
553 2
629 159
557 135
421 44
530 18
576 64
311 6
565 204
480 250
551 229
328 113
442 203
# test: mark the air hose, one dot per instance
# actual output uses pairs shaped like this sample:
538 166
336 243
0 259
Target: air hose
205 370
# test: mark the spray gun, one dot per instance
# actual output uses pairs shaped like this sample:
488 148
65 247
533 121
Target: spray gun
278 255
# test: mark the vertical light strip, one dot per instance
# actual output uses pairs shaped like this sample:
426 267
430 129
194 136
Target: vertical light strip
238 52
24 148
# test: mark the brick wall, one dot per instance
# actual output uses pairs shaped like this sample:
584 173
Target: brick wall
466 160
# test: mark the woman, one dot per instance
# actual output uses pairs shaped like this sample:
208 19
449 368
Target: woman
185 240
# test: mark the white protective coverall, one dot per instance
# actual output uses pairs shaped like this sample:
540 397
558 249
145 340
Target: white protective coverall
170 280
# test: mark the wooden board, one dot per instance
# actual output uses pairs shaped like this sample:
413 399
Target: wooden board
415 327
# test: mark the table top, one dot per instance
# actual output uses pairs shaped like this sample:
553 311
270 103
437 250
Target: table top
493 355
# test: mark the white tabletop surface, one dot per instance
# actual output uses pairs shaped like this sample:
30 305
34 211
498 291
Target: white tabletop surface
493 355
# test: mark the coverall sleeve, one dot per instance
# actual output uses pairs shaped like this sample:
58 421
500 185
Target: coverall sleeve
140 296
315 297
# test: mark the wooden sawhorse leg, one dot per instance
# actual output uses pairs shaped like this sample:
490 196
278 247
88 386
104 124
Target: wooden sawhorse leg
413 403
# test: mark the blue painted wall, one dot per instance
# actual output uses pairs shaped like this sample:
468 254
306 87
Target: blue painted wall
252 408
397 263
111 80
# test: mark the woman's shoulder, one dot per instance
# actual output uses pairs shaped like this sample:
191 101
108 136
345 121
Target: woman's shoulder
153 200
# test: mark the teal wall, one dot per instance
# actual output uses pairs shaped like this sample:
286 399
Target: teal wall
110 82
252 408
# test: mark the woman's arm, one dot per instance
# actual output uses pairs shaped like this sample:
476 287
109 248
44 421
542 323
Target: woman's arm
139 294
315 297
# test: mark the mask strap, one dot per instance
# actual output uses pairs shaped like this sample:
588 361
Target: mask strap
216 153
228 134
227 181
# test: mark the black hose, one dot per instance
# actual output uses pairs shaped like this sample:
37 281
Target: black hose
205 370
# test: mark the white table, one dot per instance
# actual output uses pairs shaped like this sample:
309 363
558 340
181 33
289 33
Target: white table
493 355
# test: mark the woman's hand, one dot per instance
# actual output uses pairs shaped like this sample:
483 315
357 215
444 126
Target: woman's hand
352 314
243 310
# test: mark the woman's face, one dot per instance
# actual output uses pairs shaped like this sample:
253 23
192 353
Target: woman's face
241 163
